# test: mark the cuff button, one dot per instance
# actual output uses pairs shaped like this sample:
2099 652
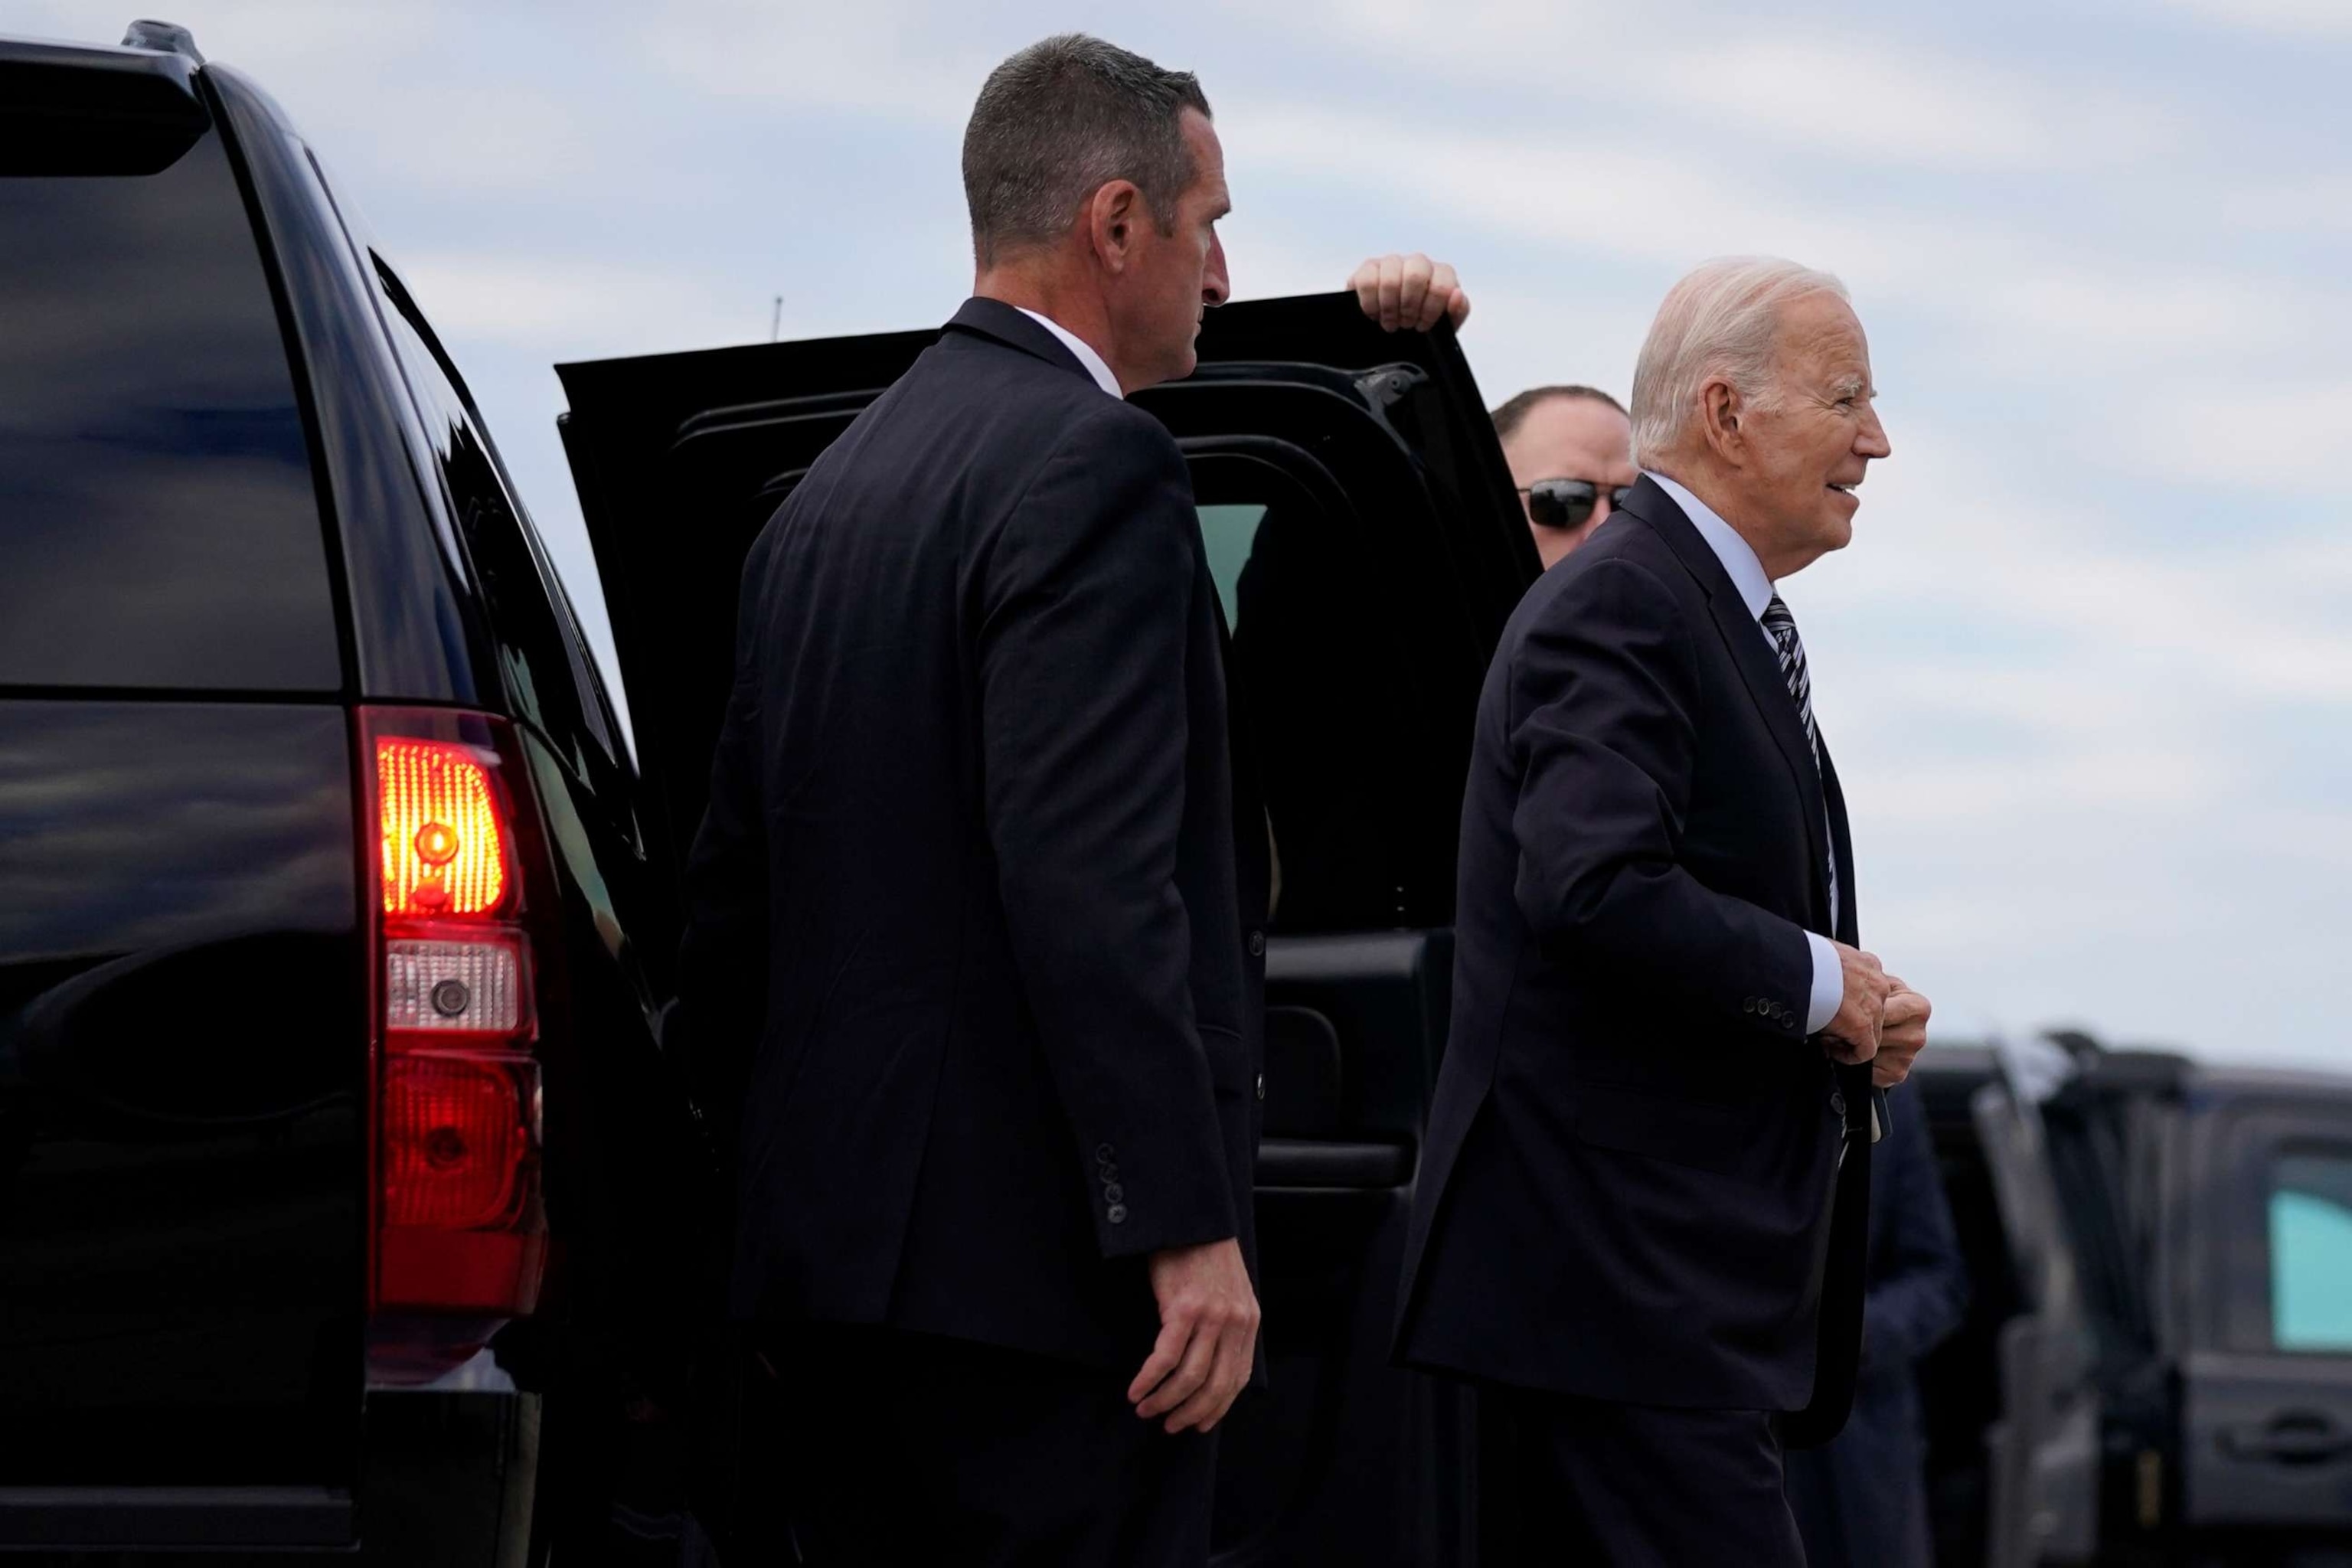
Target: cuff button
1116 1213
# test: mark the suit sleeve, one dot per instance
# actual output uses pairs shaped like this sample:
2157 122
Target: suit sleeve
1086 598
723 980
1604 692
1919 1289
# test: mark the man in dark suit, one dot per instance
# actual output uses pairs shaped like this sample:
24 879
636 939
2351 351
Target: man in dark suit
1639 1213
971 961
1862 1501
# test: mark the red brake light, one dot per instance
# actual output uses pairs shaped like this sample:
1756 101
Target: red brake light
463 885
443 846
457 1133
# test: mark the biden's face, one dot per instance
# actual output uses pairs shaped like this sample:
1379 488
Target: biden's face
1815 436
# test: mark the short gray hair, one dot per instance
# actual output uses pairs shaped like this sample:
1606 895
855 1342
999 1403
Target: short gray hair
1720 320
1062 119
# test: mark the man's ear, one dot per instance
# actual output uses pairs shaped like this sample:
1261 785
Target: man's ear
1721 412
1112 217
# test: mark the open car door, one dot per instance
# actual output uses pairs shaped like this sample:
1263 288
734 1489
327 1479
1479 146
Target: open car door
1367 547
2042 1455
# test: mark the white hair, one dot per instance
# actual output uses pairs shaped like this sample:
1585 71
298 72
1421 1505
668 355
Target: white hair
1720 320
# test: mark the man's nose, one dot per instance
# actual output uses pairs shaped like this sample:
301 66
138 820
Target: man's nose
1216 288
1870 441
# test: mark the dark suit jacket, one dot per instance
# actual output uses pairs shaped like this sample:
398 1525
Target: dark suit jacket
1862 1501
1626 1192
966 954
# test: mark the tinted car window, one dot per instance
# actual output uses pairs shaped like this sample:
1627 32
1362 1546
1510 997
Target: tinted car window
546 663
1229 531
1318 668
158 519
2311 1251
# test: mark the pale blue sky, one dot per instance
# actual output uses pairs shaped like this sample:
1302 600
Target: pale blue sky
2088 664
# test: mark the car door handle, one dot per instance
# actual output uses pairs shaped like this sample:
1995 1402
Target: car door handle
2300 1438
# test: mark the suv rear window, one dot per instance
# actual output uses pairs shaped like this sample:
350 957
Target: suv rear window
158 519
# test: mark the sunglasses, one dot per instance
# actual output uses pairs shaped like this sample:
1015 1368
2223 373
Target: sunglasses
1567 503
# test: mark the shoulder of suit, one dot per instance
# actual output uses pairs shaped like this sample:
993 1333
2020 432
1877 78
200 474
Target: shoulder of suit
1625 586
1100 426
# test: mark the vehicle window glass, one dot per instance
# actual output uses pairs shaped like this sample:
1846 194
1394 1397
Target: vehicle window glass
159 523
1228 532
1322 687
545 661
2311 1251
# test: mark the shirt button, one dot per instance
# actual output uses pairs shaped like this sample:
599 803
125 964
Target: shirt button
1118 1214
1257 944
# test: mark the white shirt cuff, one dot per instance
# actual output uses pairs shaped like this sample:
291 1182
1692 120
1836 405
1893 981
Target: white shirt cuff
1829 984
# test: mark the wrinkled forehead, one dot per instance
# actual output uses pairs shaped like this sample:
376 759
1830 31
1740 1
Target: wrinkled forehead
1820 339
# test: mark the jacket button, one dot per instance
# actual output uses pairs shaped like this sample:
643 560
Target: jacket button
1104 1152
1257 944
1116 1213
1748 1005
1261 1086
1113 1192
1837 1102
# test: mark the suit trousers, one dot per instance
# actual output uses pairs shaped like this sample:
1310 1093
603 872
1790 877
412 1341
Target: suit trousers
904 1450
1567 1483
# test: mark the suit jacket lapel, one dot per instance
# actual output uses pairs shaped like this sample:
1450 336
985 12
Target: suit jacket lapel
1849 919
1766 686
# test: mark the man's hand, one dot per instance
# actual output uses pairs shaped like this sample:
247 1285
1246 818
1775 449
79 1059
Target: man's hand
1853 1035
1902 1034
1408 291
1208 1336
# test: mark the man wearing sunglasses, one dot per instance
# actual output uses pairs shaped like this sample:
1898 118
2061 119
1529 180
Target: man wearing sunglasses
1570 449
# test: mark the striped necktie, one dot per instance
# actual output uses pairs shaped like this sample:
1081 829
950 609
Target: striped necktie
1783 627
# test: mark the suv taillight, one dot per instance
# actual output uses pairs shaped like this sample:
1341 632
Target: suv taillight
462 884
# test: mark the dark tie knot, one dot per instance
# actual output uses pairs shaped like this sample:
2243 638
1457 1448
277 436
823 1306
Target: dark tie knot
1777 619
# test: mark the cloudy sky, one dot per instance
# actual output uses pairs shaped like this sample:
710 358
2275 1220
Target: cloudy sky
2088 666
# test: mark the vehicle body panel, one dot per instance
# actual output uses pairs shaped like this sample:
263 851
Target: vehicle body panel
182 1044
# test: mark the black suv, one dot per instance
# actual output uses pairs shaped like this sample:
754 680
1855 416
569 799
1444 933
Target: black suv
326 1053
350 1190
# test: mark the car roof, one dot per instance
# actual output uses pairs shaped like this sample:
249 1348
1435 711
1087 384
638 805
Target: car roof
1947 1062
68 52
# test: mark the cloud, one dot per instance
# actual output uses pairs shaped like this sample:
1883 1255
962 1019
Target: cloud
2278 438
564 305
872 55
2293 18
1874 104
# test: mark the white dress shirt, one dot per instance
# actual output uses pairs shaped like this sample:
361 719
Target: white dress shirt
1078 345
1747 575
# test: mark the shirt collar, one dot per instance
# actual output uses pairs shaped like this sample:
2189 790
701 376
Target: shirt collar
1078 345
1738 558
